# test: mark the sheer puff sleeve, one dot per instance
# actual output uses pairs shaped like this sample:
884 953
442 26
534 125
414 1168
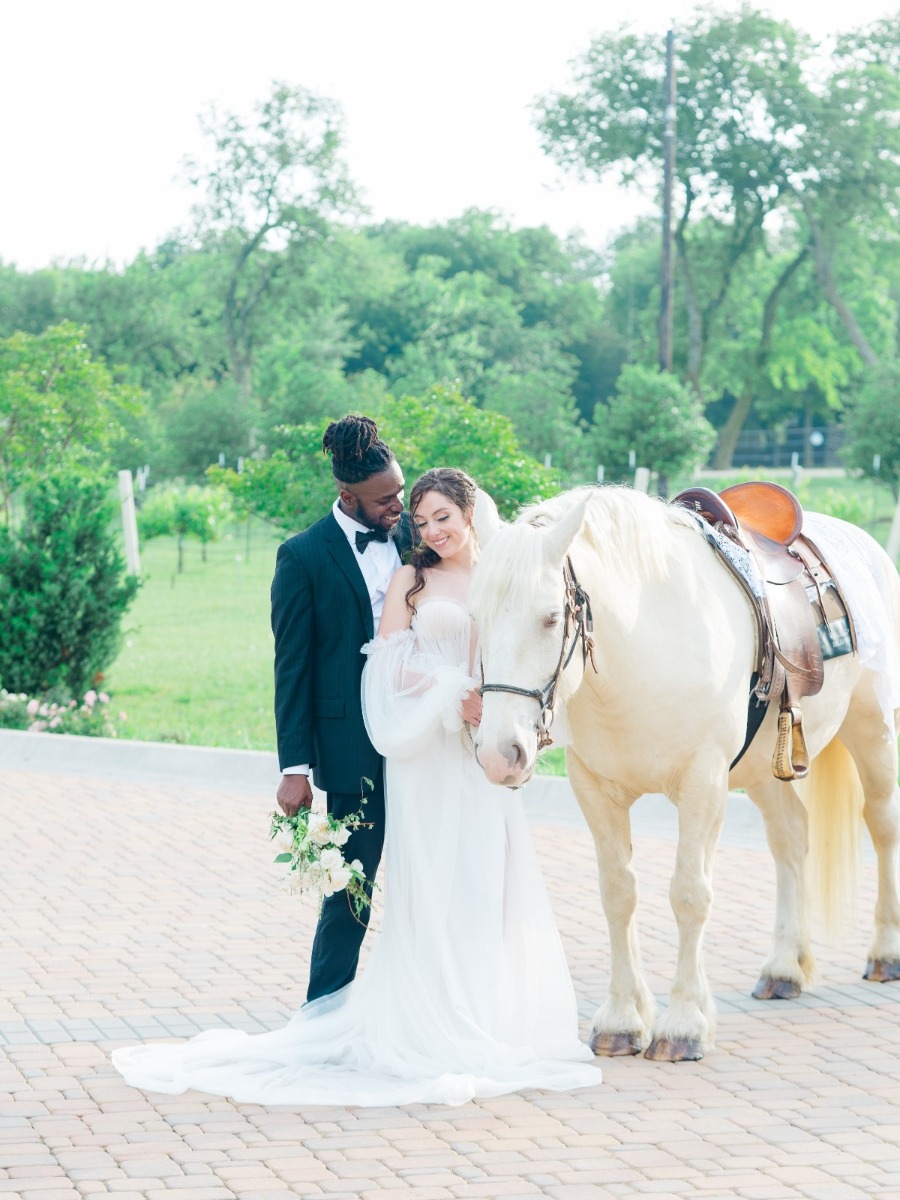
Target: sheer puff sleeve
412 692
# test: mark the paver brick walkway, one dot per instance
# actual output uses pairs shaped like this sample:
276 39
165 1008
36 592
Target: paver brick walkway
133 911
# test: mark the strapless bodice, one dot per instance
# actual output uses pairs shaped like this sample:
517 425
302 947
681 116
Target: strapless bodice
441 618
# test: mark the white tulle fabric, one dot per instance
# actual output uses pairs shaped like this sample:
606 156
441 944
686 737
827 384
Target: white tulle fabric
466 992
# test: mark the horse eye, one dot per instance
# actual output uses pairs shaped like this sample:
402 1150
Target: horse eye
551 619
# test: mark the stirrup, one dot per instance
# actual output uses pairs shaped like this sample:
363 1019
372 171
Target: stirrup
791 757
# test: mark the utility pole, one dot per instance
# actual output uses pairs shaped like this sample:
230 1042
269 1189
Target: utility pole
667 258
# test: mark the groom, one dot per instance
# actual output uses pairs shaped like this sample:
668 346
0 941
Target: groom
327 596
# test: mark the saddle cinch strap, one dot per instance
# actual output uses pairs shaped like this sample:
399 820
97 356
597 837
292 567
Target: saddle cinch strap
801 605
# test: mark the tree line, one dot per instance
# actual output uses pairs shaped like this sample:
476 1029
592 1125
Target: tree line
282 306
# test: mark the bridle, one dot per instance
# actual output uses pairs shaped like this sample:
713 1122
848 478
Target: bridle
579 623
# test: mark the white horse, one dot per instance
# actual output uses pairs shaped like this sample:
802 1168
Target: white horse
666 711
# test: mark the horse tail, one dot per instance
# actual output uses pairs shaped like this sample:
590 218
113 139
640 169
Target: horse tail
834 800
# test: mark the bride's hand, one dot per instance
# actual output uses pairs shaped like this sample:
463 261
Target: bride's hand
471 708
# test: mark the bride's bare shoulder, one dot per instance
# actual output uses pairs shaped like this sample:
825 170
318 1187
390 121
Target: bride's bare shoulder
404 577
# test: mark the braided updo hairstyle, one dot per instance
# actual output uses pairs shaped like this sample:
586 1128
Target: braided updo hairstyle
457 487
356 450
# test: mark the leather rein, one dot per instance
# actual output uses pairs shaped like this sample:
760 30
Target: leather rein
579 623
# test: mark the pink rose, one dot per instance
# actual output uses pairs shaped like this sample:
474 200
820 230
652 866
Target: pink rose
90 698
33 706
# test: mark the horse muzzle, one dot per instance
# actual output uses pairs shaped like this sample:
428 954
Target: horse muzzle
506 763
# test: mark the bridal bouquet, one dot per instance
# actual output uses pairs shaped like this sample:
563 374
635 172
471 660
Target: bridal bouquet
312 852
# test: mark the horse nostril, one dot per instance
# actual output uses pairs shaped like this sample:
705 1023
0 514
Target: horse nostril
514 753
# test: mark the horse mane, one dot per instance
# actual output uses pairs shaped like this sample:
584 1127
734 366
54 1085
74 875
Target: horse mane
628 531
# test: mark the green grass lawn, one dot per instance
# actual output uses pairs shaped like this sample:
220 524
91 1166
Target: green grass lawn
196 663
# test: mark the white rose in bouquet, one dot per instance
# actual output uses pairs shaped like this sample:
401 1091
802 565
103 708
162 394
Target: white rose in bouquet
336 881
318 829
331 861
340 837
356 865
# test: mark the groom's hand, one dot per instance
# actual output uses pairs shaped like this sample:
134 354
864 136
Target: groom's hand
294 793
471 708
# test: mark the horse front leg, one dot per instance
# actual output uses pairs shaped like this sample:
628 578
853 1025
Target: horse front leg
790 963
623 1022
688 1025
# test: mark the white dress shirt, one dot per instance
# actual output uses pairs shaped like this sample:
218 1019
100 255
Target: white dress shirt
377 563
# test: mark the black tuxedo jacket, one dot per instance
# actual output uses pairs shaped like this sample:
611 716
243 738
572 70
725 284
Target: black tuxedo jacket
321 617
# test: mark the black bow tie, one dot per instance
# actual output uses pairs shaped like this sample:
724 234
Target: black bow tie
373 535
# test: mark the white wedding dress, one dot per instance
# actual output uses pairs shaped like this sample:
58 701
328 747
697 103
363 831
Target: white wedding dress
466 992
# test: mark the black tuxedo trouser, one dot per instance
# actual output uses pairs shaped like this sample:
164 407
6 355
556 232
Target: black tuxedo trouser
339 933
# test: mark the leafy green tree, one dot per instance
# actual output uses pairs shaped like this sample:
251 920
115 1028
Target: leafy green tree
185 512
507 284
443 428
273 186
203 421
502 315
658 418
57 406
62 590
294 486
737 75
301 372
27 300
872 422
844 169
762 126
778 350
544 413
142 321
631 300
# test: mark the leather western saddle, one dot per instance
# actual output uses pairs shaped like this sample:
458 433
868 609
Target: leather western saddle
800 591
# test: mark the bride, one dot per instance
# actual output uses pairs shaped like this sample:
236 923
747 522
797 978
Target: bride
466 992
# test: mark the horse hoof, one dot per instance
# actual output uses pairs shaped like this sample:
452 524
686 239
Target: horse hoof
615 1045
776 989
681 1050
882 970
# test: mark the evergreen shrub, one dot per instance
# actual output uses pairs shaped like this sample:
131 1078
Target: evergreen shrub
63 592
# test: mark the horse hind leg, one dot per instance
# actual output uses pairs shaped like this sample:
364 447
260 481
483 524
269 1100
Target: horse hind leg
874 750
790 963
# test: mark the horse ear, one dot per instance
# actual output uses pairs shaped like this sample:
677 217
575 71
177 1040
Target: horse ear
559 537
485 518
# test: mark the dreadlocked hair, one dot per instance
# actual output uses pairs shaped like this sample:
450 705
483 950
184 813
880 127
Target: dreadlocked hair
457 487
356 450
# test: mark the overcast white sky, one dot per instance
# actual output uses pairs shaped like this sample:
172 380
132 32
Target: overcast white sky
100 102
